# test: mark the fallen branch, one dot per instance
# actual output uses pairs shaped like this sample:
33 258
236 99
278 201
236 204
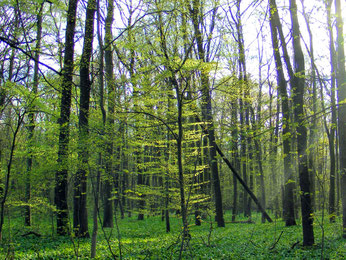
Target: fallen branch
294 245
277 241
235 173
32 233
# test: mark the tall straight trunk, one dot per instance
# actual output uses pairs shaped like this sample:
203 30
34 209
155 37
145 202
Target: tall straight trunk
64 120
313 127
251 175
341 84
243 107
179 136
167 177
298 88
331 134
96 185
108 182
288 200
236 162
31 117
80 213
274 154
243 152
179 140
256 124
258 150
207 113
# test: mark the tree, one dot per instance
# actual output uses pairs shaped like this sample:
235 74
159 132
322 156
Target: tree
298 88
31 115
109 125
64 130
207 106
288 203
80 214
341 86
332 132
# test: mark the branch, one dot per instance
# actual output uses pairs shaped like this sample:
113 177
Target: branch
15 45
155 117
235 173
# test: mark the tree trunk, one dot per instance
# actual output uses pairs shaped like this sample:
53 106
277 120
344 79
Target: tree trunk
108 182
207 115
313 127
236 159
298 86
341 84
288 202
331 134
31 117
96 185
236 174
64 131
80 214
8 173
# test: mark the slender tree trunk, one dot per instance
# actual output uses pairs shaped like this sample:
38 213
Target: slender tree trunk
31 116
96 185
236 159
64 131
179 136
108 183
207 115
341 83
288 200
8 173
274 167
331 134
298 86
313 127
80 213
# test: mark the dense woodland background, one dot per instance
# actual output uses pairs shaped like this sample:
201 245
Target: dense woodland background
114 109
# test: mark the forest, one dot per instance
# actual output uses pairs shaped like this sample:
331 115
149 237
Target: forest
172 129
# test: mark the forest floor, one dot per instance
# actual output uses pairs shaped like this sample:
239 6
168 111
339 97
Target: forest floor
148 239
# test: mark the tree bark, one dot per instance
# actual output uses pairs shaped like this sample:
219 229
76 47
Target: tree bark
332 132
96 185
108 182
341 85
298 88
236 162
288 200
80 213
313 127
64 120
207 115
31 116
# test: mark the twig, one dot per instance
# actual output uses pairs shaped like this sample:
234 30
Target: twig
31 233
294 245
277 241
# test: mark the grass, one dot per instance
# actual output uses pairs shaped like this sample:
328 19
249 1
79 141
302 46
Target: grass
148 240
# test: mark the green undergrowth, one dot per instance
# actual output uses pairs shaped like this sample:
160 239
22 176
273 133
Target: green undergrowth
148 239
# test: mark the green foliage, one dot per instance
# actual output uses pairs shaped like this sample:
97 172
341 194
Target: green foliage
148 240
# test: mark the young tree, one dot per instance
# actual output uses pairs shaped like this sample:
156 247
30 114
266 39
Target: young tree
31 115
